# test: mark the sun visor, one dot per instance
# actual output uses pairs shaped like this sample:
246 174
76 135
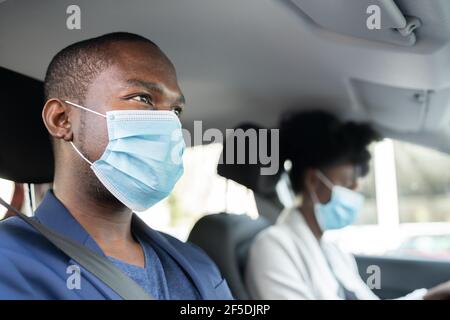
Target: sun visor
375 20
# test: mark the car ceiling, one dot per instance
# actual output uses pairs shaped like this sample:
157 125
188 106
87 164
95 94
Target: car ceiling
250 60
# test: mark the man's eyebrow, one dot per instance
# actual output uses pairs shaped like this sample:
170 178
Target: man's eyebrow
152 86
145 84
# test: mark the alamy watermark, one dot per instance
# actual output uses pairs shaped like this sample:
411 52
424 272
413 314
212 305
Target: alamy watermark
250 146
373 21
73 281
73 21
374 279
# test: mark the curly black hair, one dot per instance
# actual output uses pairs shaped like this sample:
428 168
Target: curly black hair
318 139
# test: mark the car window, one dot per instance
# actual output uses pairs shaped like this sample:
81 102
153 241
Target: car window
6 193
199 192
414 222
423 182
407 210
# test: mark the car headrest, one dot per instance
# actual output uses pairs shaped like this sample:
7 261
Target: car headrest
247 174
229 247
25 149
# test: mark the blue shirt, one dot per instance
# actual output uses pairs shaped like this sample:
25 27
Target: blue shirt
161 278
33 268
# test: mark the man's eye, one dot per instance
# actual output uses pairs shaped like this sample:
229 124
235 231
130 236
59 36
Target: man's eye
177 110
142 98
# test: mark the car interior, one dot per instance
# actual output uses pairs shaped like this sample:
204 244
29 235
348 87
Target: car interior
242 64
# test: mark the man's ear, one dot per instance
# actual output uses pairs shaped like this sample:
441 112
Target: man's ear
56 118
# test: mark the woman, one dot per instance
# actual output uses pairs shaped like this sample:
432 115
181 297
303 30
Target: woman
291 260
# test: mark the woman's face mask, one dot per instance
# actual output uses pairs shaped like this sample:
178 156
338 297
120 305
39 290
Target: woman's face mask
341 210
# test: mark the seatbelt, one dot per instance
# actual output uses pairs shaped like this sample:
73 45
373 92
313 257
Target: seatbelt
99 266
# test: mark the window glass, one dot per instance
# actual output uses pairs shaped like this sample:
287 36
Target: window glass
423 182
199 192
6 193
422 206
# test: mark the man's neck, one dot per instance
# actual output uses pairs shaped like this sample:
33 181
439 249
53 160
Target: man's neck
104 222
108 224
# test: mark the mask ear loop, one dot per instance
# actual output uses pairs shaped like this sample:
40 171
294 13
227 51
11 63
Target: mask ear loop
80 154
89 110
325 180
85 109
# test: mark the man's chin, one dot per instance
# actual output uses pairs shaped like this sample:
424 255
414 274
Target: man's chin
102 195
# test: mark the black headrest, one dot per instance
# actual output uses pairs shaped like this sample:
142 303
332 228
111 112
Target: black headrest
227 238
25 148
247 174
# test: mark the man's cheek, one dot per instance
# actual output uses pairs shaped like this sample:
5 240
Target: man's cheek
96 139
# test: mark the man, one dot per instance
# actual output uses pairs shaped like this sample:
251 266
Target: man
112 156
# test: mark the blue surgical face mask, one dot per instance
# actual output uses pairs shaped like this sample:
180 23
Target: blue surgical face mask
143 159
341 210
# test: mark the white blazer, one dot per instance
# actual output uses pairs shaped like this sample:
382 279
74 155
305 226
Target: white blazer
287 262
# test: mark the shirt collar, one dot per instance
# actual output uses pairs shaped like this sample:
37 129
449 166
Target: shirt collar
294 220
53 214
141 228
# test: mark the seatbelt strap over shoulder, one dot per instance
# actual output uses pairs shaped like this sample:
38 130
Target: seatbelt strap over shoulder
98 265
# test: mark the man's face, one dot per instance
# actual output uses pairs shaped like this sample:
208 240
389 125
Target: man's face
142 79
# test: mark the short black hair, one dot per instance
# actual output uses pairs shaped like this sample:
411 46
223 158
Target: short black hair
73 68
318 139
